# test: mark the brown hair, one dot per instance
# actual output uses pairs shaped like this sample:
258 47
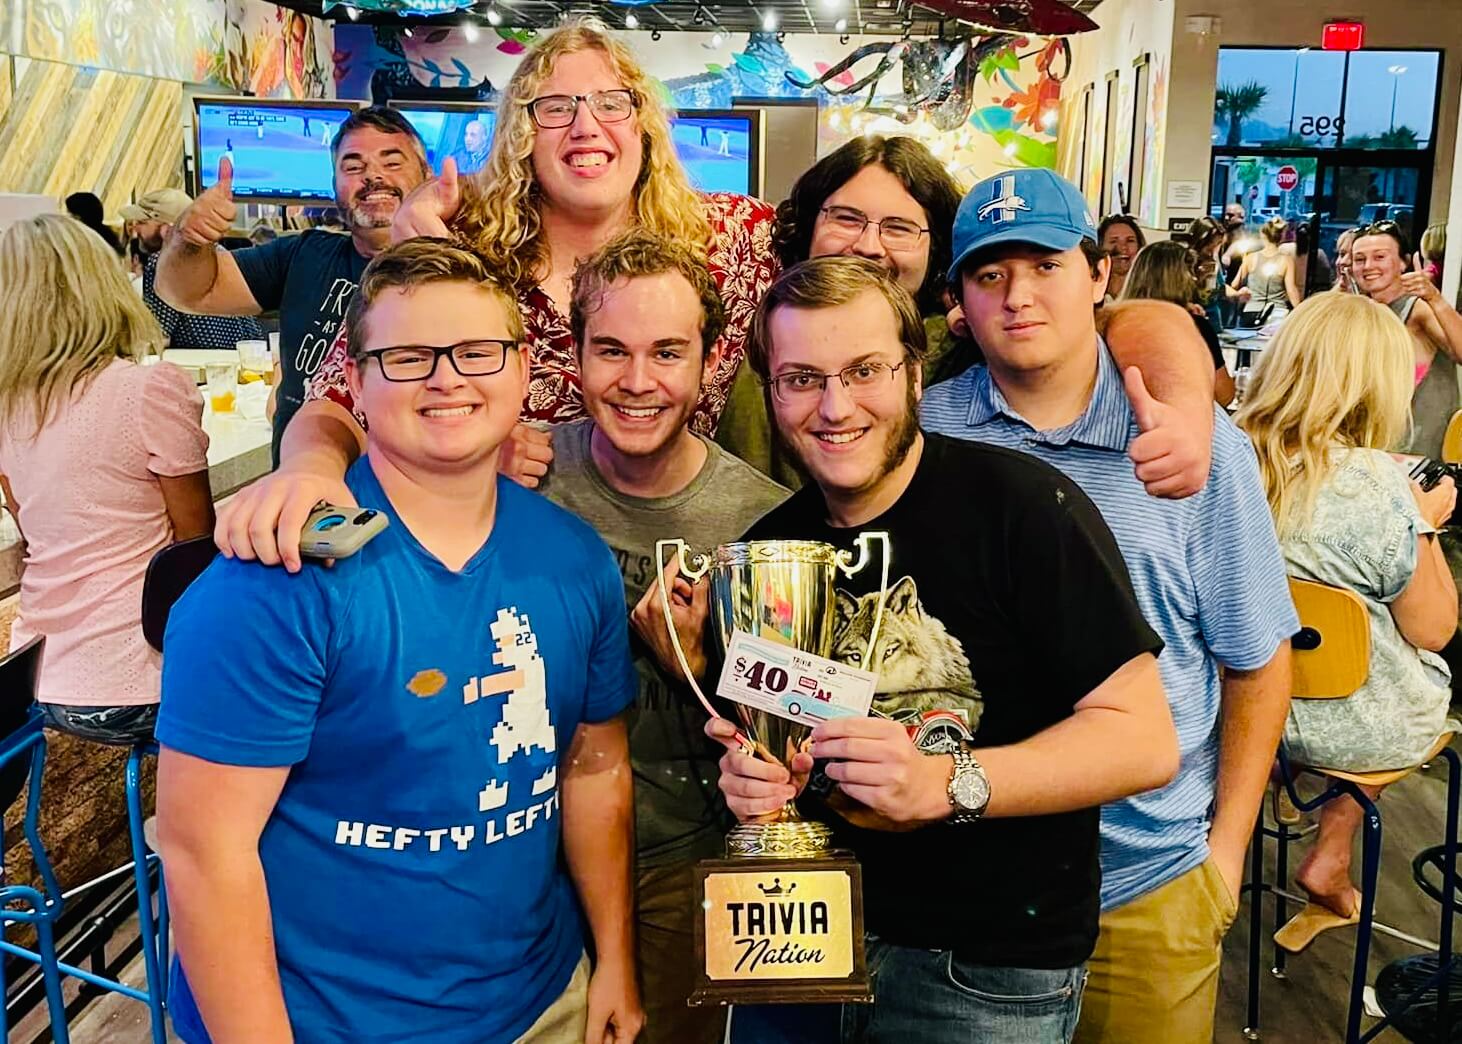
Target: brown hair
825 282
418 262
1273 230
387 121
909 160
1163 272
635 254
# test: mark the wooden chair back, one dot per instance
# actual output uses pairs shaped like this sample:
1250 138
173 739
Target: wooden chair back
1332 650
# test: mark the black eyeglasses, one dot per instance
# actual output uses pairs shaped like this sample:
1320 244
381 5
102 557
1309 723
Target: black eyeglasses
862 380
895 232
417 362
558 110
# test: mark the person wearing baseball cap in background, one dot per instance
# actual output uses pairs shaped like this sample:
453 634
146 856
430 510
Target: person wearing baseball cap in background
152 218
1028 272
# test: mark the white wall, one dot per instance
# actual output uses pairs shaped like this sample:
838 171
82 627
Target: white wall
1129 30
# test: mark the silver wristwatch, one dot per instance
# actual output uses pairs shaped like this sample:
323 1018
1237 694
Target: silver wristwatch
969 788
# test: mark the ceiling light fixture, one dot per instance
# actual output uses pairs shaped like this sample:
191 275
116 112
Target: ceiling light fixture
631 22
493 18
769 22
408 32
717 39
354 14
841 25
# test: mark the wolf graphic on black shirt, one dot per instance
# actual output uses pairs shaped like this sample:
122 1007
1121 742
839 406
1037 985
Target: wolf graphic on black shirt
921 667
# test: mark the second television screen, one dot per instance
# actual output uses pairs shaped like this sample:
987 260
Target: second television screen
463 134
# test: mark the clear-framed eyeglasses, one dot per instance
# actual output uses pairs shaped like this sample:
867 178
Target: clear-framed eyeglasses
896 233
558 110
863 380
417 362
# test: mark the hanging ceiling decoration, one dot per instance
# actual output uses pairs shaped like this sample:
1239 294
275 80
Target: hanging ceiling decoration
939 75
419 8
897 18
1042 17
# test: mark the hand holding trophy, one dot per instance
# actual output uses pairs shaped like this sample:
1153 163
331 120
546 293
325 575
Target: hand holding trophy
774 932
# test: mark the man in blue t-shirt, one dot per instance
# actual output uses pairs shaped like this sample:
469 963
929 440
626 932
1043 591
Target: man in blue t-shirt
308 278
387 790
1208 575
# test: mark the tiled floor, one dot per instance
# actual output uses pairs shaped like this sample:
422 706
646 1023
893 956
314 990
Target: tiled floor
1307 1008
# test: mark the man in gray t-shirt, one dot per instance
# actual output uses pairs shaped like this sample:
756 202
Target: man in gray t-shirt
646 319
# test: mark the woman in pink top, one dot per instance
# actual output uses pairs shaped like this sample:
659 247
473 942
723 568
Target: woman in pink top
102 461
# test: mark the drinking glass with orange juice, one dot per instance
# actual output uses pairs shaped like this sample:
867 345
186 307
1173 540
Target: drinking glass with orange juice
223 386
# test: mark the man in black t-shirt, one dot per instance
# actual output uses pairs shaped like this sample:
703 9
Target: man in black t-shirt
1018 685
308 278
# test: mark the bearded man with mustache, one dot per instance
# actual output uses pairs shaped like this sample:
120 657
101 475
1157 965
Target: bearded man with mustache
309 278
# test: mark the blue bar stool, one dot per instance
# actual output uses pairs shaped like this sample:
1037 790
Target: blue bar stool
23 748
1332 660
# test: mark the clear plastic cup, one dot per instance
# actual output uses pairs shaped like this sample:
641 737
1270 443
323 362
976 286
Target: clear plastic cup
253 361
223 386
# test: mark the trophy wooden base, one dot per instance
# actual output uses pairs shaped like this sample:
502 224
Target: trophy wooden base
780 931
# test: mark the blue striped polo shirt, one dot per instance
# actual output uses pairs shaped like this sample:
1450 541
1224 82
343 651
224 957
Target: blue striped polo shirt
1209 577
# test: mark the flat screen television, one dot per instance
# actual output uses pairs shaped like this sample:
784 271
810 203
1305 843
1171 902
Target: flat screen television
462 130
280 149
720 149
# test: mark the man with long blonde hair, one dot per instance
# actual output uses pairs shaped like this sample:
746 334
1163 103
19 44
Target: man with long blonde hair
582 151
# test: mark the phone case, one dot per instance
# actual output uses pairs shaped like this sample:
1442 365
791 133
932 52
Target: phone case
337 532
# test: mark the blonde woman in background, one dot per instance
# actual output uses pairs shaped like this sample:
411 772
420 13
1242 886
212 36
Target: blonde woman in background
1269 274
1328 401
103 461
1167 271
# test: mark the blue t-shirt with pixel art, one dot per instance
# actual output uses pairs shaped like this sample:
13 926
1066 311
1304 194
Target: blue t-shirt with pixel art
413 860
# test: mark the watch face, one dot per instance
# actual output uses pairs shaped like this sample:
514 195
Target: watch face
971 790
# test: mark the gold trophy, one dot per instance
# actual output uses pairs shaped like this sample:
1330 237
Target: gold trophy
782 915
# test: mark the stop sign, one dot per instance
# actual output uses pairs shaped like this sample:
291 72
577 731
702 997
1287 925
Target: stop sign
1287 178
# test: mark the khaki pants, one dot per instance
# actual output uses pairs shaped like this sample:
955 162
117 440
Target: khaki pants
1154 975
664 923
562 1022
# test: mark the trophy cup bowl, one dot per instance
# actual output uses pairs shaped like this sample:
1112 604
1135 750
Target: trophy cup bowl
782 591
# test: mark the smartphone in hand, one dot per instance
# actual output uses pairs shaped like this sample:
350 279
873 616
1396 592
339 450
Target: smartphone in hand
339 532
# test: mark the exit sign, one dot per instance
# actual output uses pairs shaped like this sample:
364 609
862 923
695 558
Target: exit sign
1343 36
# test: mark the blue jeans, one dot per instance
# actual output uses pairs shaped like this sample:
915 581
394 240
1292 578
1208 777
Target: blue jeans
115 726
928 996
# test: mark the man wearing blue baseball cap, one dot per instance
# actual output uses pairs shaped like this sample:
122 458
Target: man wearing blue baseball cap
1208 575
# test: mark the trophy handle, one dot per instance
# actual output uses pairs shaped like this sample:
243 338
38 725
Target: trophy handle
851 567
694 566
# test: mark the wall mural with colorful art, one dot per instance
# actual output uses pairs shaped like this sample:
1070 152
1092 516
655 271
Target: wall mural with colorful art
981 104
273 52
243 45
168 39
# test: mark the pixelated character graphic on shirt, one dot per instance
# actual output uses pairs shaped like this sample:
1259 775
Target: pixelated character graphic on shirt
525 722
924 678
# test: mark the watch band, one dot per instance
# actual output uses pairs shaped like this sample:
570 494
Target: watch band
964 762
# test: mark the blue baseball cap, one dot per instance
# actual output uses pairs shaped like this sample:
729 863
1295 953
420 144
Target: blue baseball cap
1031 205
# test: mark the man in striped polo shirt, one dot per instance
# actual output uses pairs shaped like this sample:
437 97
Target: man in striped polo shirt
1207 572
